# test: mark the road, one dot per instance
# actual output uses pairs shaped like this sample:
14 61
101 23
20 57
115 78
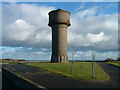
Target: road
7 84
111 70
0 80
53 81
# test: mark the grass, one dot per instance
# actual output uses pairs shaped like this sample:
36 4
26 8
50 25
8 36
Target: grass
114 63
84 73
13 62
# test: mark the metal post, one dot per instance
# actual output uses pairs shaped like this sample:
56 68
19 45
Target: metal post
73 55
93 65
72 63
81 60
93 57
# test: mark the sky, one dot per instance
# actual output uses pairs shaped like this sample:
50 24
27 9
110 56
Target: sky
26 34
59 0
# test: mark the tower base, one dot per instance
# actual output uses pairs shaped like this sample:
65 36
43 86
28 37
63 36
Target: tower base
59 59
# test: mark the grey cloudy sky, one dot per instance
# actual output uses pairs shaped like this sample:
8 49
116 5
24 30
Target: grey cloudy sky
26 35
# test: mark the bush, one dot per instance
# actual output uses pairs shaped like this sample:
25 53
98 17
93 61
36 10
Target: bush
109 60
118 59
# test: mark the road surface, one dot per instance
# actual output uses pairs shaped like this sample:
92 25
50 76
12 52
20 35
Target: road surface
7 84
53 81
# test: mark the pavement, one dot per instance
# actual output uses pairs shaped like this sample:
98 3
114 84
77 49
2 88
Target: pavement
7 84
112 71
54 81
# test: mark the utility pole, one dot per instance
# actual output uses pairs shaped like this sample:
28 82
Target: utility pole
73 55
81 60
93 63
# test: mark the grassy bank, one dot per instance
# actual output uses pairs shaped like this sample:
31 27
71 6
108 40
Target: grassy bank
114 63
13 62
78 72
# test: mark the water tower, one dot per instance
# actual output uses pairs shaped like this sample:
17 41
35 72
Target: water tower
59 20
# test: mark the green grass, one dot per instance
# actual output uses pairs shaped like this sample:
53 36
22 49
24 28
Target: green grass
13 62
114 63
84 73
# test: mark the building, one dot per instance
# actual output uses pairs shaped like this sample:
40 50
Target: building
59 20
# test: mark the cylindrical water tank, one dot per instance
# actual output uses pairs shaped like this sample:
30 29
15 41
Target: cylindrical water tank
59 17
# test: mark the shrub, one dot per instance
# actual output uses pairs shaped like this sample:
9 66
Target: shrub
109 60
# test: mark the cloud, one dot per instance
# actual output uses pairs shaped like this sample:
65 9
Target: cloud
102 29
26 53
26 26
0 23
20 30
82 6
86 13
94 38
60 1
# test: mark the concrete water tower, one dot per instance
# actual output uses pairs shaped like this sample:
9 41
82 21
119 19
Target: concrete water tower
59 20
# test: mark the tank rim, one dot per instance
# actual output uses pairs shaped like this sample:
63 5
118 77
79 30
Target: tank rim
58 10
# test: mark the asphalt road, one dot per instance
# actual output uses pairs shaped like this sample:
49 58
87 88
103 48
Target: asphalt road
53 81
111 70
0 80
7 84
